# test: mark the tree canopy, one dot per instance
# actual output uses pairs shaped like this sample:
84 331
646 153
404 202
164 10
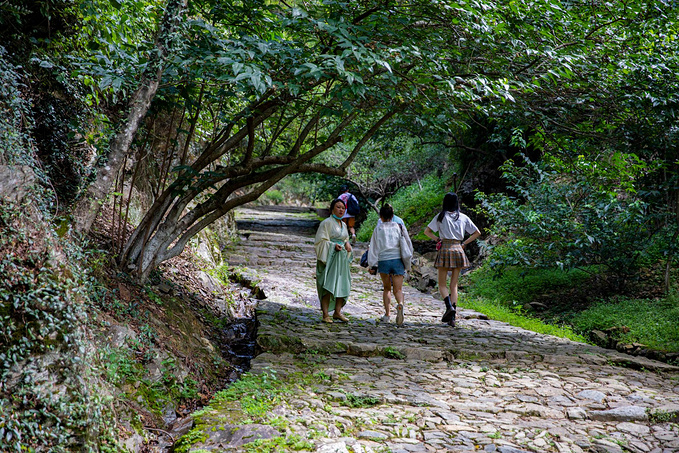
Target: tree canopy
205 105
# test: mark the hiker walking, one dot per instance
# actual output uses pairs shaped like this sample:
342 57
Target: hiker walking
385 254
352 210
333 258
395 219
451 225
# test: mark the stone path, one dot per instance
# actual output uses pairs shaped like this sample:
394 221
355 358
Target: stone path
426 387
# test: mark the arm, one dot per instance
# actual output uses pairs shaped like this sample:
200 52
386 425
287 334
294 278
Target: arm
373 253
430 234
347 244
471 238
322 242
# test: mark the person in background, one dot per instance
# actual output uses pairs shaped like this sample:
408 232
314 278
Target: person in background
385 253
333 259
451 225
350 219
395 219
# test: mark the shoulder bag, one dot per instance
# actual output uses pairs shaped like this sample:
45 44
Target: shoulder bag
406 249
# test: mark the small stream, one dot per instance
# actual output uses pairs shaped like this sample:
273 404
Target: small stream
237 340
239 346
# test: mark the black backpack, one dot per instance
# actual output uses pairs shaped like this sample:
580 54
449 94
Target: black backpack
352 206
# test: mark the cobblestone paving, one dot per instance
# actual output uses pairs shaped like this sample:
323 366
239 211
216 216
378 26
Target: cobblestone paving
426 387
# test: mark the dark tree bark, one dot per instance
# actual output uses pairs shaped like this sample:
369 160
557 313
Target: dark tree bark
175 218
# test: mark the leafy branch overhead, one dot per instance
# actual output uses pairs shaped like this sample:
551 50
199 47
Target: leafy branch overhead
249 92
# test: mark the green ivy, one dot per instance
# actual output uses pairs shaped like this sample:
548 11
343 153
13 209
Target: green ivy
42 315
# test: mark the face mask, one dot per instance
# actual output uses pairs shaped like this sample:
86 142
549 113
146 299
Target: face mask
335 217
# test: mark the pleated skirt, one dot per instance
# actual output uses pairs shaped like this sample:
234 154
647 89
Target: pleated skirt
451 256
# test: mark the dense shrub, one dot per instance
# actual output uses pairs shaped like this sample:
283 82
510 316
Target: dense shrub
566 217
517 287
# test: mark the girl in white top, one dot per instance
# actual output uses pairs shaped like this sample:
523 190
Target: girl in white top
452 226
385 255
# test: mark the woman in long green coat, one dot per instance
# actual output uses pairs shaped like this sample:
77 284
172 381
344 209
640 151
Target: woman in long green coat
333 259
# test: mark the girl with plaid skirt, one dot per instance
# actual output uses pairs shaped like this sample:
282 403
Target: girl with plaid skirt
451 226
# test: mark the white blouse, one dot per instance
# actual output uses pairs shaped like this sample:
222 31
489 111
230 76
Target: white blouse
453 229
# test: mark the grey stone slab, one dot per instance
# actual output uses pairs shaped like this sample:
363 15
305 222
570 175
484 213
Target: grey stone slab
510 449
620 414
237 436
593 395
336 447
373 435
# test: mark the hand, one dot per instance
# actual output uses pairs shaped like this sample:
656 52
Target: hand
372 271
338 247
348 246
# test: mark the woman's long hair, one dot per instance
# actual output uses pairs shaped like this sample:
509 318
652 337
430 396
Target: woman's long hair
450 204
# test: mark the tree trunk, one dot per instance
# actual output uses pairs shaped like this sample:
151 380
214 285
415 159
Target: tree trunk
87 208
168 225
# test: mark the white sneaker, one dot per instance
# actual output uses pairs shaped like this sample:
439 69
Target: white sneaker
385 319
399 315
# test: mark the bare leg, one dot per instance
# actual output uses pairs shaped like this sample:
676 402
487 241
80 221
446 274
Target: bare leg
325 304
398 288
453 295
339 303
454 278
386 293
443 282
397 280
443 289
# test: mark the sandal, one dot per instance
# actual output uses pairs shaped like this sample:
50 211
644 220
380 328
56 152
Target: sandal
327 319
340 317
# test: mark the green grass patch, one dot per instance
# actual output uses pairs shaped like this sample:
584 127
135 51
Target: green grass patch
257 393
654 323
361 401
184 444
499 312
292 442
521 286
392 353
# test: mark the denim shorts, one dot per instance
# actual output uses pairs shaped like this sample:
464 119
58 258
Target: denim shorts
391 267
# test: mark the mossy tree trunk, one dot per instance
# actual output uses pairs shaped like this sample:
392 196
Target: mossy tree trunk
90 202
